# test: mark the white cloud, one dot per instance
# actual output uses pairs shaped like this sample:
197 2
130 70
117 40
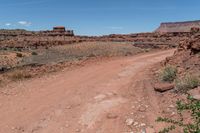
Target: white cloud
24 23
8 24
115 27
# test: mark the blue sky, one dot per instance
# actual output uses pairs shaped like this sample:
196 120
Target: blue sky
96 17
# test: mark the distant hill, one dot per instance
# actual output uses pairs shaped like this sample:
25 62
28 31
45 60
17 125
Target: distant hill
178 26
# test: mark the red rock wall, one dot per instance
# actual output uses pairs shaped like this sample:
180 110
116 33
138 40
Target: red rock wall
178 26
187 56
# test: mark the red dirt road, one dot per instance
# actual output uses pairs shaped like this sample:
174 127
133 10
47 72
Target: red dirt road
95 98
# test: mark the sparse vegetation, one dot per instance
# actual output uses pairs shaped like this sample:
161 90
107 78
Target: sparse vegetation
147 50
187 83
168 74
99 49
81 51
19 75
19 55
193 107
34 53
198 54
59 54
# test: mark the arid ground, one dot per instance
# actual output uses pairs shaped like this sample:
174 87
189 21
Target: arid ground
52 82
102 97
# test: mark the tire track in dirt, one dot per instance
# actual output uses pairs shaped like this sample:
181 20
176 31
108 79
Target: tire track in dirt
79 100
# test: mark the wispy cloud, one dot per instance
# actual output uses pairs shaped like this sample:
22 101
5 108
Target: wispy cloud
24 23
8 24
115 27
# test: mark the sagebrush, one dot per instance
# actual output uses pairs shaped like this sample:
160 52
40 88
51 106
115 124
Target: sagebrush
19 75
168 74
186 83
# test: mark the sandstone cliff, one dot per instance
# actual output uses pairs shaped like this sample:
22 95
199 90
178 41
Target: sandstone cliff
178 26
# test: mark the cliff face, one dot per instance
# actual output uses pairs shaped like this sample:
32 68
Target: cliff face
22 39
178 26
187 56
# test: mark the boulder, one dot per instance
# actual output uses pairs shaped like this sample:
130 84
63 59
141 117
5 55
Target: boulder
129 122
195 93
162 87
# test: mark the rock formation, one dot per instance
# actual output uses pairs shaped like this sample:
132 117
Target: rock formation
187 56
22 39
178 26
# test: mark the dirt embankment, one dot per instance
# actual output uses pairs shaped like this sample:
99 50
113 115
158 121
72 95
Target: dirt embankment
180 76
181 72
187 56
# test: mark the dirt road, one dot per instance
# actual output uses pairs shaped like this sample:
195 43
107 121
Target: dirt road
103 97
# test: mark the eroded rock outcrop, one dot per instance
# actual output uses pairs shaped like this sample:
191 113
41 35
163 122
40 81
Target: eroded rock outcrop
179 26
22 39
187 56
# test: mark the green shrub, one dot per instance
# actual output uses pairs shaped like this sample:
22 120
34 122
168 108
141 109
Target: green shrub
198 54
187 83
147 50
15 49
5 48
34 53
19 55
168 74
92 55
192 106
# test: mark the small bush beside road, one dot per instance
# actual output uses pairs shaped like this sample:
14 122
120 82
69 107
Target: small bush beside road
168 74
187 83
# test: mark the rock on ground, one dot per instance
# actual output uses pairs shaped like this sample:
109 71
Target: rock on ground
162 87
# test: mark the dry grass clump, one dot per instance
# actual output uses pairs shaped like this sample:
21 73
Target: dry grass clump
183 84
168 74
19 75
186 83
8 58
20 55
34 53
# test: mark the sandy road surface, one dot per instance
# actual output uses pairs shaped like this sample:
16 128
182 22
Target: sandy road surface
95 98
